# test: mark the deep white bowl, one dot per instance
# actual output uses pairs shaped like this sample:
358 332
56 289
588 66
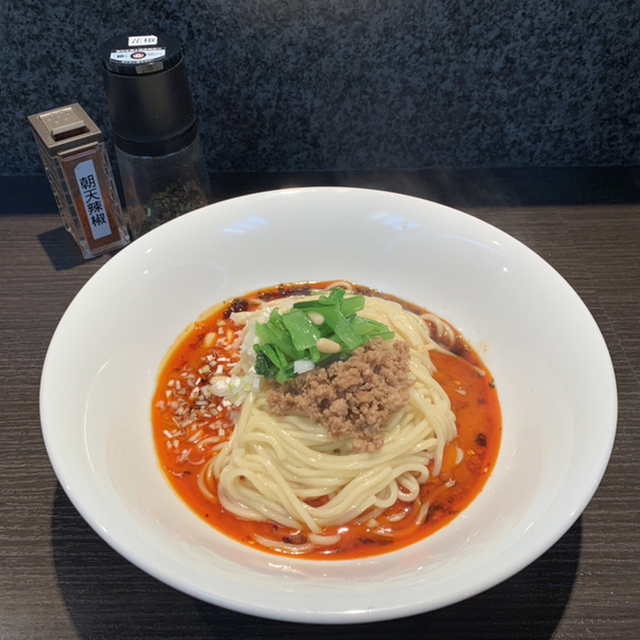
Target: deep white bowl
551 365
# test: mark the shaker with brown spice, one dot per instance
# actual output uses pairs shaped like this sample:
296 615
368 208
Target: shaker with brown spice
154 129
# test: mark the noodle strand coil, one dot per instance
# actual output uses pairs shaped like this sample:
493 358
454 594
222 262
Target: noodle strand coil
289 470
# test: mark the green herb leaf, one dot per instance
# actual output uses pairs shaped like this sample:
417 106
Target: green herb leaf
352 305
292 336
334 318
334 298
285 374
370 329
304 333
274 332
264 366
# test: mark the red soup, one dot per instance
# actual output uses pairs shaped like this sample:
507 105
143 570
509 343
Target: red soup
190 427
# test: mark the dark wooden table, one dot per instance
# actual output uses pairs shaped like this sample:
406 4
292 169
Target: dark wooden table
58 579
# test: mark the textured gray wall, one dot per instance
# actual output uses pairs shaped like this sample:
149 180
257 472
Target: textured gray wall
352 84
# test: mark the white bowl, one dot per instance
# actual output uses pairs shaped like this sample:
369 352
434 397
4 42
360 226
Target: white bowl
552 370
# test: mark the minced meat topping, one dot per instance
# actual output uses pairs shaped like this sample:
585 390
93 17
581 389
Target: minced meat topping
354 397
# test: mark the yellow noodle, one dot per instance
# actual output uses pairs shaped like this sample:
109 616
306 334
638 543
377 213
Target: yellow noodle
273 464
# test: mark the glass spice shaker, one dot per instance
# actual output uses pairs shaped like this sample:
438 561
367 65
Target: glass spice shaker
158 147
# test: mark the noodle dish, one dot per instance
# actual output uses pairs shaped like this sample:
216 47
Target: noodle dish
328 405
325 420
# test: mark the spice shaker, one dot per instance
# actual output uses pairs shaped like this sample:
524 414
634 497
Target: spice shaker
77 164
155 131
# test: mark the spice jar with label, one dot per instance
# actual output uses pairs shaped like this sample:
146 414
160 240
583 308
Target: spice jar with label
155 131
77 164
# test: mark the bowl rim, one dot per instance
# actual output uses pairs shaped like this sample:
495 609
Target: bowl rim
336 617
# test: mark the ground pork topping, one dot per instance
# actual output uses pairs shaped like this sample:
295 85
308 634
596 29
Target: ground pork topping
354 397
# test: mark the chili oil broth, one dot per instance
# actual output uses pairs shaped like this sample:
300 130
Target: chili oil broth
462 375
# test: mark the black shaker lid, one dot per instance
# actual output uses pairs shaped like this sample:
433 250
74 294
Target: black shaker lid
148 93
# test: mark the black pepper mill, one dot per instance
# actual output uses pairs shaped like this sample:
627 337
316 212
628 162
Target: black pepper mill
154 129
